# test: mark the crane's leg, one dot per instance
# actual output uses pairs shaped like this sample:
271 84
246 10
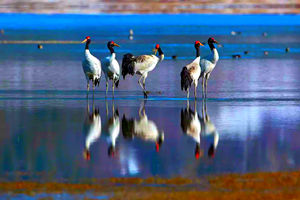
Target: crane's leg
203 85
188 93
106 87
113 87
144 85
195 89
87 89
106 104
206 85
140 82
187 104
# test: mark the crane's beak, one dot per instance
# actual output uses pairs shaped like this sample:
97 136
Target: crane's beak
201 44
115 44
155 51
84 41
216 42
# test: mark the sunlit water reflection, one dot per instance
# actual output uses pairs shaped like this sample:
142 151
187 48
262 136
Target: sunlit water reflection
48 139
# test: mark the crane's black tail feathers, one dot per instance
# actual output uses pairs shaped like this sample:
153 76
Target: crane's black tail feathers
186 79
128 65
97 81
117 83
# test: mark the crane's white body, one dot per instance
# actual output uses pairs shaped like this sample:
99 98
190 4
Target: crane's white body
145 64
111 69
208 63
194 70
91 67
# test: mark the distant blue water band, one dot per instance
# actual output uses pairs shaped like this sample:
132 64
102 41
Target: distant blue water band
58 21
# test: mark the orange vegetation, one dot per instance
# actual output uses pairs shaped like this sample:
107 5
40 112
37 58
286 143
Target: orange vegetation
279 185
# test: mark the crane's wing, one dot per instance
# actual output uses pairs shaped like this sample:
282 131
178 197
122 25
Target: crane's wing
111 65
205 63
143 62
92 65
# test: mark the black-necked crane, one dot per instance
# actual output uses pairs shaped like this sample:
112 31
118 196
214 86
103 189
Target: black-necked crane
92 129
111 67
191 126
91 65
191 72
141 65
142 128
208 63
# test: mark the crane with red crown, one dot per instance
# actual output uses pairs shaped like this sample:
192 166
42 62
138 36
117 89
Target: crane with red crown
208 63
111 67
141 65
191 72
91 65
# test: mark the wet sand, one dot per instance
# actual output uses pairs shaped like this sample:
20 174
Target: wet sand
279 185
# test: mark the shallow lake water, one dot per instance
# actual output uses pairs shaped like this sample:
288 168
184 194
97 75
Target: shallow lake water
250 121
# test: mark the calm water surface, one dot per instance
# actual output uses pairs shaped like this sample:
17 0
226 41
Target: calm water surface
250 121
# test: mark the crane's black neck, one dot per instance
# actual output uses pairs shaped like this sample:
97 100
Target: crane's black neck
211 46
197 52
160 52
87 44
111 49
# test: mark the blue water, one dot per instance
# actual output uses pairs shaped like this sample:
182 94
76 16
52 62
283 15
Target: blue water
252 103
61 21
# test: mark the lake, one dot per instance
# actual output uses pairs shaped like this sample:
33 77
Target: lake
249 122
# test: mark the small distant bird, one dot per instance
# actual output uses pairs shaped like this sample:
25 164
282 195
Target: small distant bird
236 56
246 52
39 46
174 57
265 34
111 67
287 49
142 128
191 126
130 34
208 63
235 33
266 53
141 65
190 73
91 65
2 32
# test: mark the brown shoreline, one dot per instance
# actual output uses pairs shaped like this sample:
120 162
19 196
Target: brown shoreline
144 6
277 185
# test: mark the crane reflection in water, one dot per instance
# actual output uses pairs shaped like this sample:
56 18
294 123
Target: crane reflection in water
92 129
112 129
209 131
198 127
142 128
